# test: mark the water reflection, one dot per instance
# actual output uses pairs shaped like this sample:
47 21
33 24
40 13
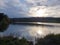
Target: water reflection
29 31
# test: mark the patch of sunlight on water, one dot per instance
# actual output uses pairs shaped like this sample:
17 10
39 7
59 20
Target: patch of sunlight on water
48 23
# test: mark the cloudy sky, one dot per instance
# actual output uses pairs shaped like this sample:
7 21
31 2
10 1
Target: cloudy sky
30 8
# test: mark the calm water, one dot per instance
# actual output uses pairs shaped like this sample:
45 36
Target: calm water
29 31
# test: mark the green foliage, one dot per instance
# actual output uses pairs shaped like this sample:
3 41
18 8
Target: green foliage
13 41
50 39
4 22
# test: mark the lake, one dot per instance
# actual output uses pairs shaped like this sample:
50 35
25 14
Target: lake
31 31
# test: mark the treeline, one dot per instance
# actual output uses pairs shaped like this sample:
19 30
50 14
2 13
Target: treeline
36 19
50 39
4 22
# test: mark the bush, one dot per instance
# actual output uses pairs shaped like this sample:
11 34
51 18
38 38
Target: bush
10 40
50 39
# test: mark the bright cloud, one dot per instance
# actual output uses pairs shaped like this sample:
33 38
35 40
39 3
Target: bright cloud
23 8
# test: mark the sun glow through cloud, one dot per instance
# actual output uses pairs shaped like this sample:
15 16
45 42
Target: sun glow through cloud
38 11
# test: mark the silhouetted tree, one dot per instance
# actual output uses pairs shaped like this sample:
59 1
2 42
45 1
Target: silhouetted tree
4 22
1 16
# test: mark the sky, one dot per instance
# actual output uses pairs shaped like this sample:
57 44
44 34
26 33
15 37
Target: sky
30 8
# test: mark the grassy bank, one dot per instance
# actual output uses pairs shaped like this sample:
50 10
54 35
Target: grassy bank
50 39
